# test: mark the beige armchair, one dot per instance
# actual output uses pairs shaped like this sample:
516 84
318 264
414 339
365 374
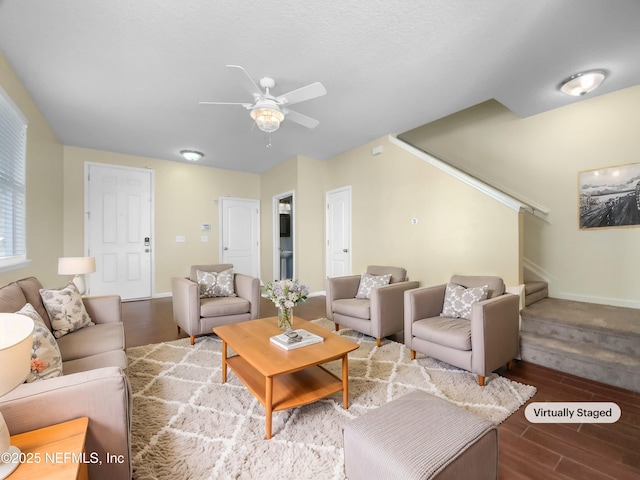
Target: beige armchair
481 344
198 316
379 315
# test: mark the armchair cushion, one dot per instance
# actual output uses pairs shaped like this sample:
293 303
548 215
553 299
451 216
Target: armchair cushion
450 332
46 361
215 284
369 281
353 307
66 309
459 299
221 306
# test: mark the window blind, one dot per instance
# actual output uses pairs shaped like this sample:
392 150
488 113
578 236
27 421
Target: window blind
13 140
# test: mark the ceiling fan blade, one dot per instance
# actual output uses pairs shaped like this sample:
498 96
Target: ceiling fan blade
301 94
249 83
300 118
245 105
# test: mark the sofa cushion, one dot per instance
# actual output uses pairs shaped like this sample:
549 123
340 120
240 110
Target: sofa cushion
458 300
101 360
31 289
450 332
398 274
215 284
46 361
85 342
220 306
369 281
352 307
66 310
11 298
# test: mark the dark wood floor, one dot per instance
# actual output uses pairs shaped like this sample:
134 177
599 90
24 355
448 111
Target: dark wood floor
527 451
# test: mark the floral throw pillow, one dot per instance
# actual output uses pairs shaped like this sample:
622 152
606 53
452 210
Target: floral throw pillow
216 284
368 281
65 309
46 361
458 300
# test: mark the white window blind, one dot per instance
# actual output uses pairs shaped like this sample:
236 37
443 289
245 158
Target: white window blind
13 142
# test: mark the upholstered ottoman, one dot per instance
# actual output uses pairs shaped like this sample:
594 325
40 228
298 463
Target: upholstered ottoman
419 436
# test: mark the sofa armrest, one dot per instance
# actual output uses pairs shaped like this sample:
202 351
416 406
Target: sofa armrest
248 287
104 308
186 304
340 287
387 308
103 395
495 332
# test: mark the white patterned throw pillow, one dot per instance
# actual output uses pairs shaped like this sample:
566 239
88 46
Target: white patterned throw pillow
458 300
46 361
216 284
66 310
368 281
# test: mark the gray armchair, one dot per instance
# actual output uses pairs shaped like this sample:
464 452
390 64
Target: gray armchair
378 316
198 316
489 340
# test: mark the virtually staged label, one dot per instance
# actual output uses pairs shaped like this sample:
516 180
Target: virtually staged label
572 412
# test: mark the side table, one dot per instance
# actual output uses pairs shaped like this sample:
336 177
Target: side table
53 453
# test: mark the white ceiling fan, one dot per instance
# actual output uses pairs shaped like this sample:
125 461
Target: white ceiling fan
269 111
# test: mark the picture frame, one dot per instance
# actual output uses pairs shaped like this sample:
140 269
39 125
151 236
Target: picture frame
609 197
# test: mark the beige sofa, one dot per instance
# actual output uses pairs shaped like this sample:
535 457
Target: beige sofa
93 384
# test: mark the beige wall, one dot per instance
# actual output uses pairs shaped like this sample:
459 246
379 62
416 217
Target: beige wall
44 188
539 158
459 229
185 197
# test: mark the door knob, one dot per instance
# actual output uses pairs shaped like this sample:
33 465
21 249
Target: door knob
345 250
226 248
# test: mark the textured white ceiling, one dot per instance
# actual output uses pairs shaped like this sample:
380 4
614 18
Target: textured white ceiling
126 76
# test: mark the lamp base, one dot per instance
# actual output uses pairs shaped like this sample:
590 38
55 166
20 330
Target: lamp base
78 280
7 467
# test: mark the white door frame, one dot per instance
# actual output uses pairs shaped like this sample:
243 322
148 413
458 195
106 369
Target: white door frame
328 256
276 231
85 216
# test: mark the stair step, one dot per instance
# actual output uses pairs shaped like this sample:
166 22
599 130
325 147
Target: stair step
535 291
586 361
601 326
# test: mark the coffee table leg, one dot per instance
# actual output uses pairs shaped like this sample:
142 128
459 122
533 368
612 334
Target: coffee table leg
269 403
345 382
224 361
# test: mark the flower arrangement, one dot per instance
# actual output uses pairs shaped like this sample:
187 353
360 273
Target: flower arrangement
285 294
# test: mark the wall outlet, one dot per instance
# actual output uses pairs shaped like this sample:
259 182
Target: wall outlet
204 238
180 238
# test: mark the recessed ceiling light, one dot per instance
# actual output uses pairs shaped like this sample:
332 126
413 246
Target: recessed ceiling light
583 82
191 155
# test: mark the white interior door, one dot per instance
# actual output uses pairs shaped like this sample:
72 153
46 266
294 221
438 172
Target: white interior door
240 234
338 230
118 230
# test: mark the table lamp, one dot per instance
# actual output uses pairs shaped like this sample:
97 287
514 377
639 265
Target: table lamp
77 266
16 342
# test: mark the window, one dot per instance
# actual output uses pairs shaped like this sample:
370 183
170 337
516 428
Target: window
13 141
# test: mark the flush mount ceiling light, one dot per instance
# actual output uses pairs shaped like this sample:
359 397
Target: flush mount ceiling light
583 82
267 117
191 155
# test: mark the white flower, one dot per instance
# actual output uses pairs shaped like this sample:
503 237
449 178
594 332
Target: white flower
286 293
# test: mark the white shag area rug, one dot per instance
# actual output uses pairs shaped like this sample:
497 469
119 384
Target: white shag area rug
188 425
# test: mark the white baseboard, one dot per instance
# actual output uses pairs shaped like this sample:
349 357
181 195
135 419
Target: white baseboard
162 295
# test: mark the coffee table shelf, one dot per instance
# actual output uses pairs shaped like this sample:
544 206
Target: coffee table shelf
289 390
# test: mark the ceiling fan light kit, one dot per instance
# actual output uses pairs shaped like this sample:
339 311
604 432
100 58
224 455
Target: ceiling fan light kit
191 155
267 119
583 82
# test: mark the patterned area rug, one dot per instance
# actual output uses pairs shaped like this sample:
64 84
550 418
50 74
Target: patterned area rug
188 425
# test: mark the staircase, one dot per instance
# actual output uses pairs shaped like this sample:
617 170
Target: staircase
599 342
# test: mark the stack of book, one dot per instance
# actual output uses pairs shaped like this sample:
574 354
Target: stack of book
295 339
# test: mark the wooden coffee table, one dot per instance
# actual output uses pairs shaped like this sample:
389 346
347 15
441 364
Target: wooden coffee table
282 379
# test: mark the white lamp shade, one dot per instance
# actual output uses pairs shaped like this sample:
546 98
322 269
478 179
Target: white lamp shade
76 265
16 342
